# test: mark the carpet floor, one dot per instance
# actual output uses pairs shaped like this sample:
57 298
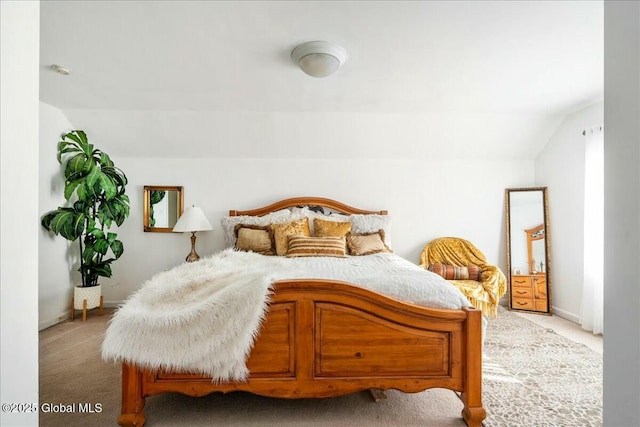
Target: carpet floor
532 377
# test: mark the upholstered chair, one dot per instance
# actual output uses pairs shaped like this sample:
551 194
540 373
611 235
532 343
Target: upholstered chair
466 267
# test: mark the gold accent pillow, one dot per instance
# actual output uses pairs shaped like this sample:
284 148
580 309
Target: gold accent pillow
367 243
280 233
324 228
253 238
302 246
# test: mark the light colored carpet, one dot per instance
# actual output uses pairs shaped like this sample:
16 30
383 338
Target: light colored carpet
537 377
553 382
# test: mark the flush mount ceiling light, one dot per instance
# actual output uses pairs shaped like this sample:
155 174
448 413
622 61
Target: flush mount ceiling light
319 58
60 69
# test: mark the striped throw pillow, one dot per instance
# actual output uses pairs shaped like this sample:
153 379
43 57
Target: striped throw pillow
475 272
453 272
303 246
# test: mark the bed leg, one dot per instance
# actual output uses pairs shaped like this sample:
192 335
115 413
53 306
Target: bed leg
132 399
473 413
377 394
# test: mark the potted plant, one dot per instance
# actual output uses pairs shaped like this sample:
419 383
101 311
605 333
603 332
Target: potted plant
95 191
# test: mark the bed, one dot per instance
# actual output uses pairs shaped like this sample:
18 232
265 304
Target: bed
323 338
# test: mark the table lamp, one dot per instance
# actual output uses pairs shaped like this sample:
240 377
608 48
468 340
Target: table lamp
192 220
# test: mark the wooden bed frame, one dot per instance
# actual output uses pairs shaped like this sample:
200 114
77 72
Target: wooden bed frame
324 338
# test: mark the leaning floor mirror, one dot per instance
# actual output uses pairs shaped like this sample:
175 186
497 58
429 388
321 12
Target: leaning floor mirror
528 254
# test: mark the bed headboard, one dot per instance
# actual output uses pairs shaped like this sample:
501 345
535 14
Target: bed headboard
305 201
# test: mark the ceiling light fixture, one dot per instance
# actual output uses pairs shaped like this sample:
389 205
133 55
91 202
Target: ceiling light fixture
319 58
60 69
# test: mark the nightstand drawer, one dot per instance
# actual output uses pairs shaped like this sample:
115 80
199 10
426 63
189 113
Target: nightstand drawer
541 305
526 303
522 292
521 281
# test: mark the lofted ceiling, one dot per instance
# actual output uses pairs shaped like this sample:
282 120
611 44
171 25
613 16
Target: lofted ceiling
422 75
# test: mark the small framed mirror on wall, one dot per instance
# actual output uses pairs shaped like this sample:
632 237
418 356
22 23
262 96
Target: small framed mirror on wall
163 206
528 249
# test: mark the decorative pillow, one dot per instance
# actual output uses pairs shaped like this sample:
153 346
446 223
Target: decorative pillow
324 228
313 212
371 223
280 233
453 272
302 246
229 223
367 243
475 272
254 238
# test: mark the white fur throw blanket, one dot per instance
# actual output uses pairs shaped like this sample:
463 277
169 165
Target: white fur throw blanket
198 317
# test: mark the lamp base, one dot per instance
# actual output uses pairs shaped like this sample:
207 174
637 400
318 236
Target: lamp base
193 256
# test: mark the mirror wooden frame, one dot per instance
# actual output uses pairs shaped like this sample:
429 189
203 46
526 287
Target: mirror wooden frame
529 290
146 222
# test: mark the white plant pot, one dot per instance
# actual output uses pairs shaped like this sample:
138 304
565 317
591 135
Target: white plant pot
91 294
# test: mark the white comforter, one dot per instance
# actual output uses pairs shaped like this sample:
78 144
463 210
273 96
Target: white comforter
385 273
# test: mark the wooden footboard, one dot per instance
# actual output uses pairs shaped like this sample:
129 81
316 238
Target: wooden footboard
325 338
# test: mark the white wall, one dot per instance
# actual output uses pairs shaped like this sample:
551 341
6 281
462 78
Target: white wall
428 197
425 198
343 134
57 269
19 52
622 214
560 166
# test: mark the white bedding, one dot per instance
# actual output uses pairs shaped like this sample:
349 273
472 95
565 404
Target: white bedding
386 273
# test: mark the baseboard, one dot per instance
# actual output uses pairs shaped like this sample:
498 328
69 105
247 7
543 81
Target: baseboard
112 304
566 315
51 322
65 316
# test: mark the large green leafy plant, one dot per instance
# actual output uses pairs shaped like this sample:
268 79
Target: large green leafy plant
95 190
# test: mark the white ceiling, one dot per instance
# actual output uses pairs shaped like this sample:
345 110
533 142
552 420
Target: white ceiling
146 73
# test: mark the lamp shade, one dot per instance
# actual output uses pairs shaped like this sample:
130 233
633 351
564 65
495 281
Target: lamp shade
193 219
319 58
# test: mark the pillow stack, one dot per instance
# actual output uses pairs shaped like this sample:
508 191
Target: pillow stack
328 240
304 233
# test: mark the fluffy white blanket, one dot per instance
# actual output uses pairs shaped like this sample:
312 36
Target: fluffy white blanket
201 317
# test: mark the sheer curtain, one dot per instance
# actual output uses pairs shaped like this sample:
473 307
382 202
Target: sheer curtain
593 284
